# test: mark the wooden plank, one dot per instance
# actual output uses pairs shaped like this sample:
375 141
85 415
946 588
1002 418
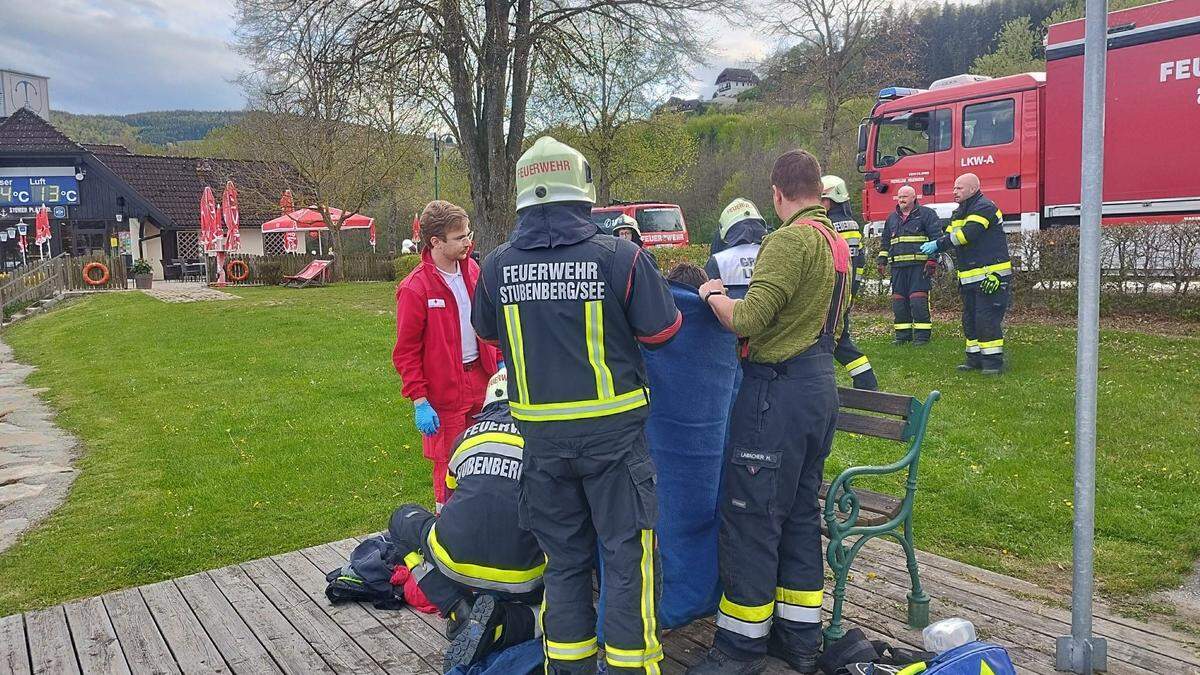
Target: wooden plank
389 651
867 425
434 621
875 401
193 649
50 648
325 636
146 651
14 654
237 643
424 641
281 640
95 640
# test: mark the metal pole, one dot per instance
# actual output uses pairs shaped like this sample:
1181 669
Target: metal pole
1081 652
437 160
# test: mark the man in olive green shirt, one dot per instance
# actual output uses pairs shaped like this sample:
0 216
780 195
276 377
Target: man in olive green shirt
780 431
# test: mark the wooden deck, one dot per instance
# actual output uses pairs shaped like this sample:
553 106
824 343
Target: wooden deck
271 616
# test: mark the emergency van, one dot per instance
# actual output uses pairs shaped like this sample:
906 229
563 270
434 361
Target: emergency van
660 224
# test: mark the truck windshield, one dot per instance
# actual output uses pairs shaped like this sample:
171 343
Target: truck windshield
604 220
661 219
911 133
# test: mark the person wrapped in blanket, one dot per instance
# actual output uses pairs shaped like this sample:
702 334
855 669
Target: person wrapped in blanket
475 562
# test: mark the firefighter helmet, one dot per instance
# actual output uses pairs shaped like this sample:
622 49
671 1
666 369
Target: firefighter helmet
626 222
551 171
497 388
738 210
834 189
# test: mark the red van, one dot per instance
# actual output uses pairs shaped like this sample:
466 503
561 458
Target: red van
661 224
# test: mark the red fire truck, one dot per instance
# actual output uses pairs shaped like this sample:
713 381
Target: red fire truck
1021 134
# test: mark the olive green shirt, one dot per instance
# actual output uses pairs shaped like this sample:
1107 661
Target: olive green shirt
788 301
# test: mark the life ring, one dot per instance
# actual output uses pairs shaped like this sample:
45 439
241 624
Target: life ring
87 274
243 270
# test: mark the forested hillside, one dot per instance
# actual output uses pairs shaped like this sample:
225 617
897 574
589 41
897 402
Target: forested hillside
145 132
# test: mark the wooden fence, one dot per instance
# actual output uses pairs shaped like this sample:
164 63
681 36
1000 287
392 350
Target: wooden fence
270 269
118 276
33 282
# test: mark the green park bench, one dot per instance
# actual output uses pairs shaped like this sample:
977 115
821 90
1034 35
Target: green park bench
854 516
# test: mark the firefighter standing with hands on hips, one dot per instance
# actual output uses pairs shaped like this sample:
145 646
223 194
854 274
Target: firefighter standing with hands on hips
836 200
904 231
976 236
571 308
780 432
443 365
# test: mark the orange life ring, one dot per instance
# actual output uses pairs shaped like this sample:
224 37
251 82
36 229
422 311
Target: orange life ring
243 272
87 276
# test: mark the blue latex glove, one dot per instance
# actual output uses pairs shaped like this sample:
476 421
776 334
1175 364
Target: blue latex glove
427 419
929 247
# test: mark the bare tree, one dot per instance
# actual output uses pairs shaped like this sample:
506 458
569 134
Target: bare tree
333 122
846 48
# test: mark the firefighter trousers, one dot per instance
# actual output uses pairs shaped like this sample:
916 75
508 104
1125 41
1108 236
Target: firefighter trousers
982 322
857 365
575 493
409 531
910 303
769 551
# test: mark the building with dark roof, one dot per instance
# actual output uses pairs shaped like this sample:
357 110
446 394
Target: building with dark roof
733 81
106 199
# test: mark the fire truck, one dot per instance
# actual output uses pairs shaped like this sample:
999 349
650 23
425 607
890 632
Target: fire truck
1022 134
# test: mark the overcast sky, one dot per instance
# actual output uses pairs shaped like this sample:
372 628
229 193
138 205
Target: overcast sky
125 56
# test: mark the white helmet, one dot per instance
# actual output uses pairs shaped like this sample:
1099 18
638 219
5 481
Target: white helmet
834 189
497 388
551 171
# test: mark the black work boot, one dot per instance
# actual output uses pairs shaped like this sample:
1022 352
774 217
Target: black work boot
456 618
478 636
970 363
801 662
718 662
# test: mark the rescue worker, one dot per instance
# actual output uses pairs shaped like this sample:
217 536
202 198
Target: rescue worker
836 200
741 234
443 365
474 562
627 228
976 236
769 550
905 229
570 308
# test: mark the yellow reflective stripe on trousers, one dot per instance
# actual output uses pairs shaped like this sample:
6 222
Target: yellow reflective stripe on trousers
594 328
978 273
751 622
910 239
571 651
574 410
516 345
922 326
972 346
991 346
902 326
518 581
858 366
799 606
649 656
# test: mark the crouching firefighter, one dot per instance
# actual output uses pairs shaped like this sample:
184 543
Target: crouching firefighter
836 200
904 231
571 308
769 550
480 568
976 236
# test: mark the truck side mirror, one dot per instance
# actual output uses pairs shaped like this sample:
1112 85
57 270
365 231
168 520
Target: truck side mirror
861 161
862 138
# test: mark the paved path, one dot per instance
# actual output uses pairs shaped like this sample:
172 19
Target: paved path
35 455
187 292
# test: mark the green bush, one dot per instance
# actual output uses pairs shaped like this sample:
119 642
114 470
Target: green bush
670 257
404 264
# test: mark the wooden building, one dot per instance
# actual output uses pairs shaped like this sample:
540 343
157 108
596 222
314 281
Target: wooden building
105 199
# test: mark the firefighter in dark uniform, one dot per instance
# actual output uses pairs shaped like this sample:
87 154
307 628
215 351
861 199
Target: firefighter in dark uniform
571 309
905 229
836 199
475 562
769 548
976 236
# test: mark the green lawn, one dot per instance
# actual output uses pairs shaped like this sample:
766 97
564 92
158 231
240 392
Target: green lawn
220 432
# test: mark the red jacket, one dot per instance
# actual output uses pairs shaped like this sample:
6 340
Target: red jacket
428 339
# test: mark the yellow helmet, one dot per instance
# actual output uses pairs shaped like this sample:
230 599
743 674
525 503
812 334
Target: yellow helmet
737 211
834 189
550 172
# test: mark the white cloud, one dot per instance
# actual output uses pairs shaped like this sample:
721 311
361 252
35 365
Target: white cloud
123 56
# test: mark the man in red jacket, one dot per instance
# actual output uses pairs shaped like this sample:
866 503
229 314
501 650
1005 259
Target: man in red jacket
444 365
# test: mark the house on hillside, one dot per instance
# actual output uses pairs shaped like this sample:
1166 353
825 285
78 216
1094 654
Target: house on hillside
106 199
733 81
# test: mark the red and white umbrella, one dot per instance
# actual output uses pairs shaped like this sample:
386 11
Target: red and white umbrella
41 226
229 209
210 223
310 219
371 239
291 243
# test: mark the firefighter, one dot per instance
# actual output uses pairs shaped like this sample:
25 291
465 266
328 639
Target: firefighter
626 227
474 562
571 309
905 229
836 200
781 430
976 236
741 234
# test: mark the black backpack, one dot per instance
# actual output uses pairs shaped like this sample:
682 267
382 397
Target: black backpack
367 577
